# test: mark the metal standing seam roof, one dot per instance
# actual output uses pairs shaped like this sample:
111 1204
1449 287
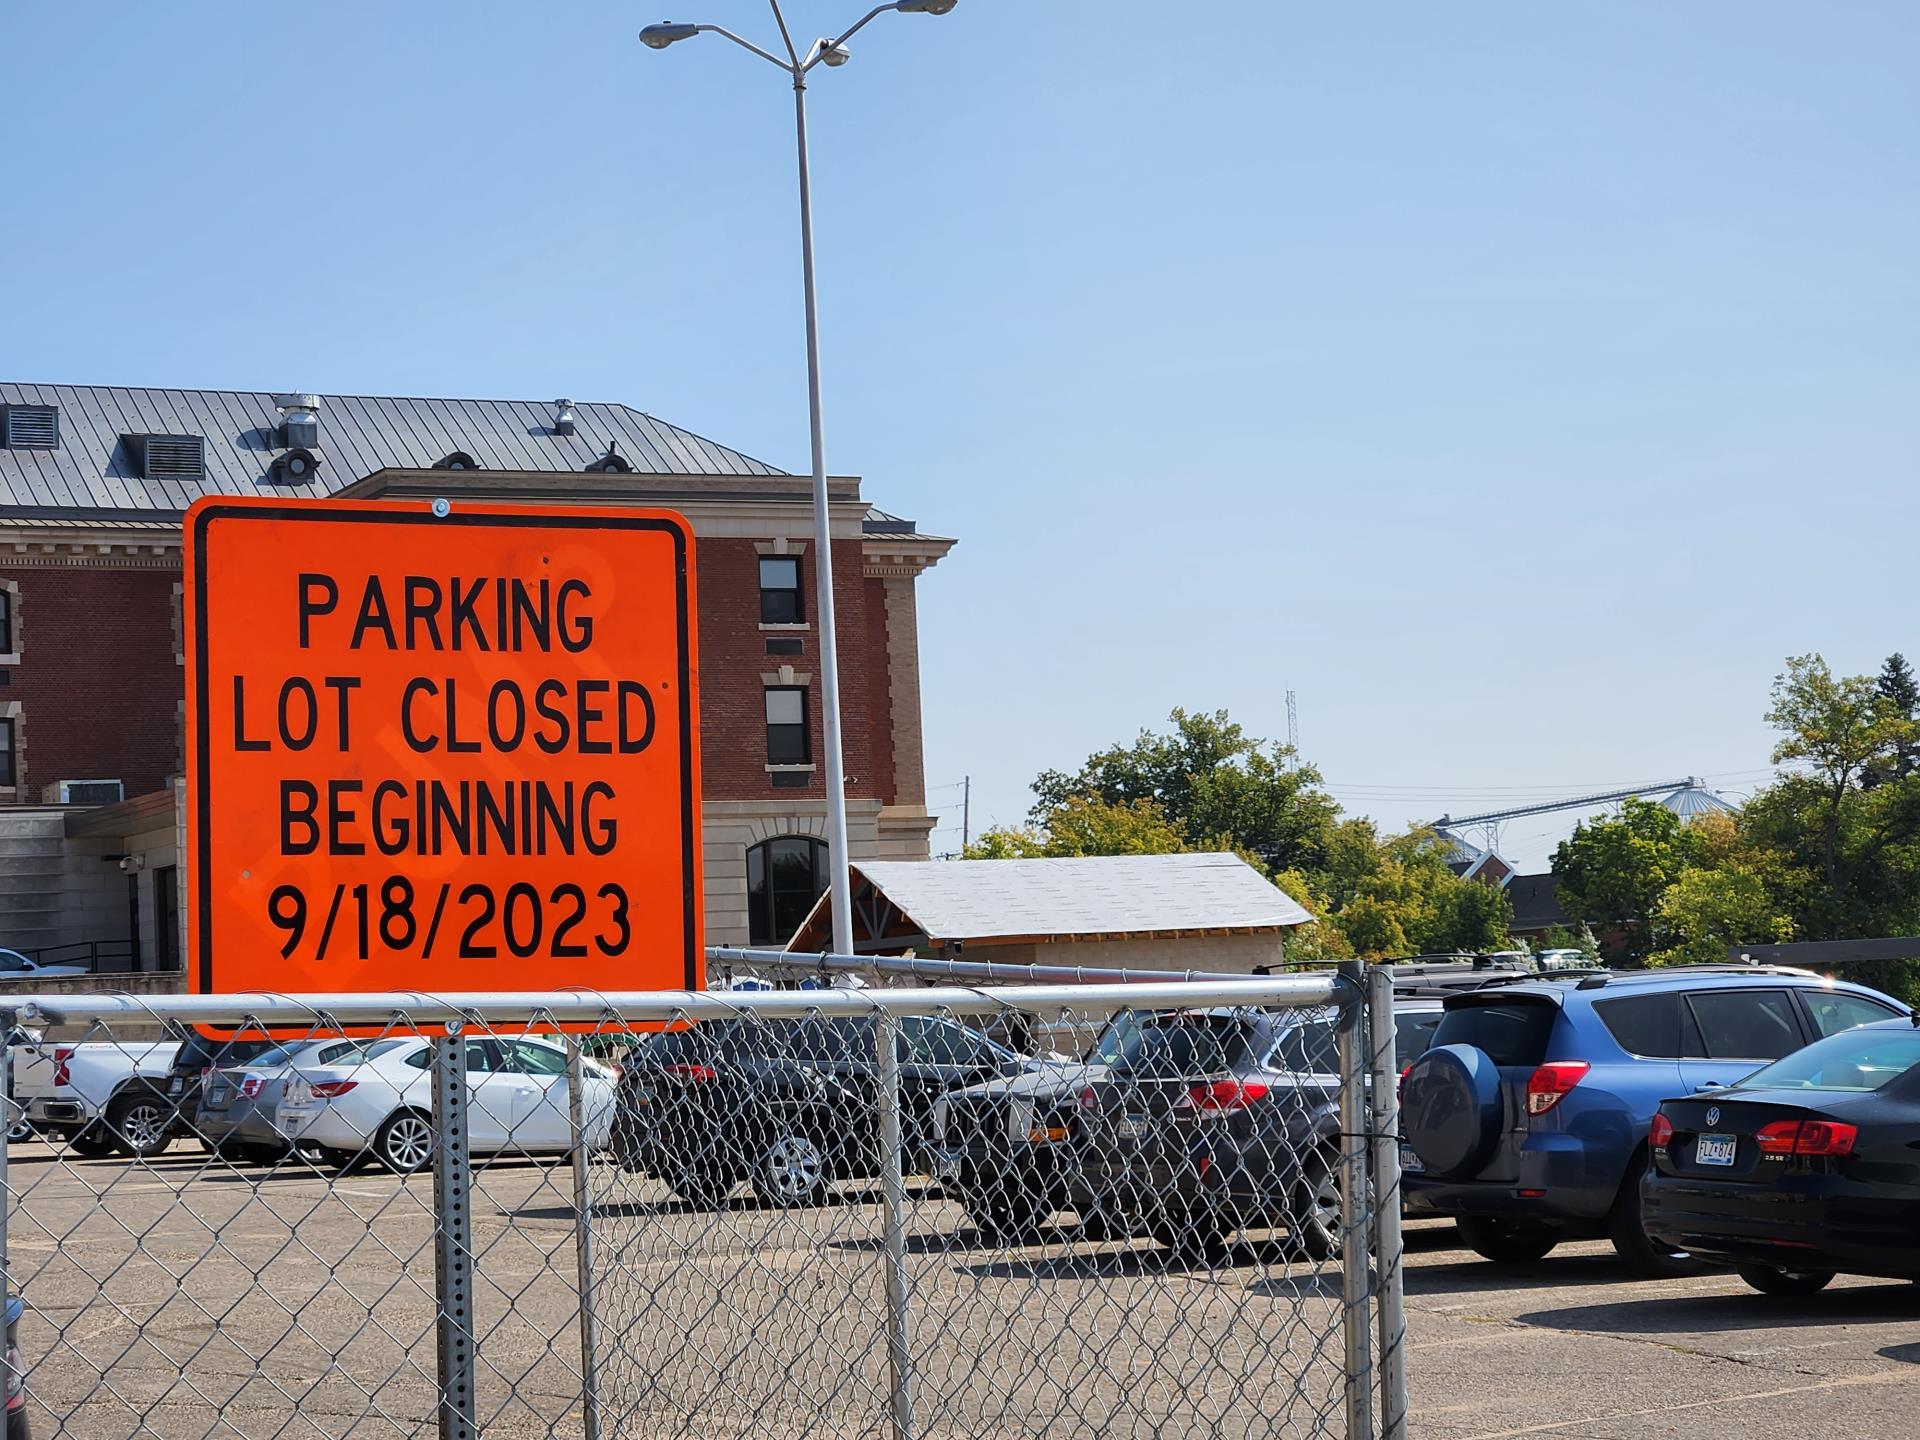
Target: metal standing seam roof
91 469
1092 895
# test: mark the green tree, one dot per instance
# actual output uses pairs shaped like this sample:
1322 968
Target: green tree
1839 732
1080 826
1217 785
1899 691
1705 911
1411 903
1612 873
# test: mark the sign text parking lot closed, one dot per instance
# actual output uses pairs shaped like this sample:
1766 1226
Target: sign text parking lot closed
441 752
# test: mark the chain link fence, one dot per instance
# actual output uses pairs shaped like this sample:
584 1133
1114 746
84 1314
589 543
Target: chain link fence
1089 1210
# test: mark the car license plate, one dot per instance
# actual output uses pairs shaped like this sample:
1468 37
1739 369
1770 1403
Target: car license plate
1714 1150
1136 1127
179 1084
1410 1161
946 1164
217 1097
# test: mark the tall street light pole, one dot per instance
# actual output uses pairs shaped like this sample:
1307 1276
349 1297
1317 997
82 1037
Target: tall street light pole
832 53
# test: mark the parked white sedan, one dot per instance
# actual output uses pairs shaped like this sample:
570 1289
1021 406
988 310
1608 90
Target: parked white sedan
517 1101
15 966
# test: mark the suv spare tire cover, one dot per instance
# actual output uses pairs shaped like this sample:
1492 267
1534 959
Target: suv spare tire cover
1450 1107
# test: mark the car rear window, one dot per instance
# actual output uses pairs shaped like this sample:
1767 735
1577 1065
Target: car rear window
1649 1026
1855 1060
1512 1032
1413 1033
200 1053
1187 1045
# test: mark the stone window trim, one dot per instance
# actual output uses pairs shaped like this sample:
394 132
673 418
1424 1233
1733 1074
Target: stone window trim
787 676
12 656
780 546
12 710
799 628
806 769
179 623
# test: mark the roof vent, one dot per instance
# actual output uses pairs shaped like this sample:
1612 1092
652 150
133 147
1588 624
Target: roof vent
299 419
458 460
30 427
611 463
563 417
297 466
169 457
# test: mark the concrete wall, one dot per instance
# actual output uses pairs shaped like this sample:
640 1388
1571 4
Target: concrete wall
33 863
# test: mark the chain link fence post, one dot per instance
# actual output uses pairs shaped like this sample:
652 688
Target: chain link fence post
1389 1243
887 1041
583 1238
453 1234
1356 1227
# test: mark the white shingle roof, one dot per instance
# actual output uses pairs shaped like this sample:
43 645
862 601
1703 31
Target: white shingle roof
1095 895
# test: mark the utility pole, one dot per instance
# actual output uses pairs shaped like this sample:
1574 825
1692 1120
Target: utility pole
1293 727
966 812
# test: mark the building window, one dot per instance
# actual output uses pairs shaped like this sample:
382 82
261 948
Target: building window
6 621
9 756
784 878
787 740
780 590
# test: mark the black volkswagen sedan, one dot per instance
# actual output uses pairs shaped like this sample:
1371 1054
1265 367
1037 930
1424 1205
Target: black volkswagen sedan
1804 1170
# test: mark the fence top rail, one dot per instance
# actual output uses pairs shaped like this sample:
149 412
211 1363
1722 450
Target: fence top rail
584 1007
941 968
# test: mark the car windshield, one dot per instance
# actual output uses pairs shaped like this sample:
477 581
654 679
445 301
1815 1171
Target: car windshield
1855 1060
1185 1045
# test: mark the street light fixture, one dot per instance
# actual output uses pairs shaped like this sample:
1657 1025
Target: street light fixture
833 53
658 37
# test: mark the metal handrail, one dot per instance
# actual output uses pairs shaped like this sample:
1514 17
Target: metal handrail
578 1007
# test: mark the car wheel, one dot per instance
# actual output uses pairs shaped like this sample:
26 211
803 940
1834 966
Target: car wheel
1007 1213
96 1142
1507 1242
1195 1237
791 1171
138 1125
1627 1228
1314 1218
19 1132
404 1143
1786 1282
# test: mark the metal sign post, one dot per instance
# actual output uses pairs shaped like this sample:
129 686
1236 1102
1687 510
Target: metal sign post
453 1234
1356 1229
893 1183
583 1236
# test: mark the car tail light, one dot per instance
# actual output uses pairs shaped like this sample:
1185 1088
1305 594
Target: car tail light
1806 1137
697 1074
62 1074
250 1086
1660 1133
1223 1096
1088 1100
1549 1084
330 1089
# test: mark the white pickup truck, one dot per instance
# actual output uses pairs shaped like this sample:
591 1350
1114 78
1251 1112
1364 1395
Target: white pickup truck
79 1091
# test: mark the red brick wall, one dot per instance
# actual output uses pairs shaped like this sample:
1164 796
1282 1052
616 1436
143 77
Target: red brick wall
733 656
97 684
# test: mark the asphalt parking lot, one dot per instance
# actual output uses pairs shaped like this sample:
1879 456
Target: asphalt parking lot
293 1302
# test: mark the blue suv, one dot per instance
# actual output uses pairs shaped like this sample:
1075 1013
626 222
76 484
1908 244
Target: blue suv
1526 1120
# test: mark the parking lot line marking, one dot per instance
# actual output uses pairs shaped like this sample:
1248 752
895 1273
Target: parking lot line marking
1877 1378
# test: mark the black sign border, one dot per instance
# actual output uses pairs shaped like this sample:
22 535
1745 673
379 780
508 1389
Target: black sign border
332 511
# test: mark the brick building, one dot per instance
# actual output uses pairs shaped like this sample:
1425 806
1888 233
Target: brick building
93 483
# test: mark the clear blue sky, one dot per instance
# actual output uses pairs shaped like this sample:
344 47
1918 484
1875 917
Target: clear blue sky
1519 383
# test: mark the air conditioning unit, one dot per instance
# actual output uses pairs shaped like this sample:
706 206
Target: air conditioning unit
91 792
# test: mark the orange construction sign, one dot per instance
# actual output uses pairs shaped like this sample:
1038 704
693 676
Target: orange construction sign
443 747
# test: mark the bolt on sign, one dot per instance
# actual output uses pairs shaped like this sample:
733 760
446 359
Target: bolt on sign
443 748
